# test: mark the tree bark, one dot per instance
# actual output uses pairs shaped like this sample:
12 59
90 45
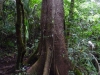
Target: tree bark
55 61
60 53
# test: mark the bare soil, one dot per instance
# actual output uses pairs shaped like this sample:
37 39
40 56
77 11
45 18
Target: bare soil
7 63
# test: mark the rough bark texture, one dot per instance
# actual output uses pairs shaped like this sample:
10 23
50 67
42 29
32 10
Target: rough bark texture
60 52
55 60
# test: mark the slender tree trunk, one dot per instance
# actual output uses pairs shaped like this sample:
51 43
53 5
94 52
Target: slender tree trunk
20 42
70 19
54 58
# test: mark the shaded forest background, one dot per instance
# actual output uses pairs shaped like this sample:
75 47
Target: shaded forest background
81 31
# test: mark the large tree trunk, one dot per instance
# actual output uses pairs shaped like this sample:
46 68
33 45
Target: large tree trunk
60 52
54 58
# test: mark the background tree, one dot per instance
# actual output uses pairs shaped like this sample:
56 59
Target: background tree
20 40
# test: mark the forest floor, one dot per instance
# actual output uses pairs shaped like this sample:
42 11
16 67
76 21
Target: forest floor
7 62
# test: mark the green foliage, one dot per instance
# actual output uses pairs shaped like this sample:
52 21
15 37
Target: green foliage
84 27
96 29
33 2
77 72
